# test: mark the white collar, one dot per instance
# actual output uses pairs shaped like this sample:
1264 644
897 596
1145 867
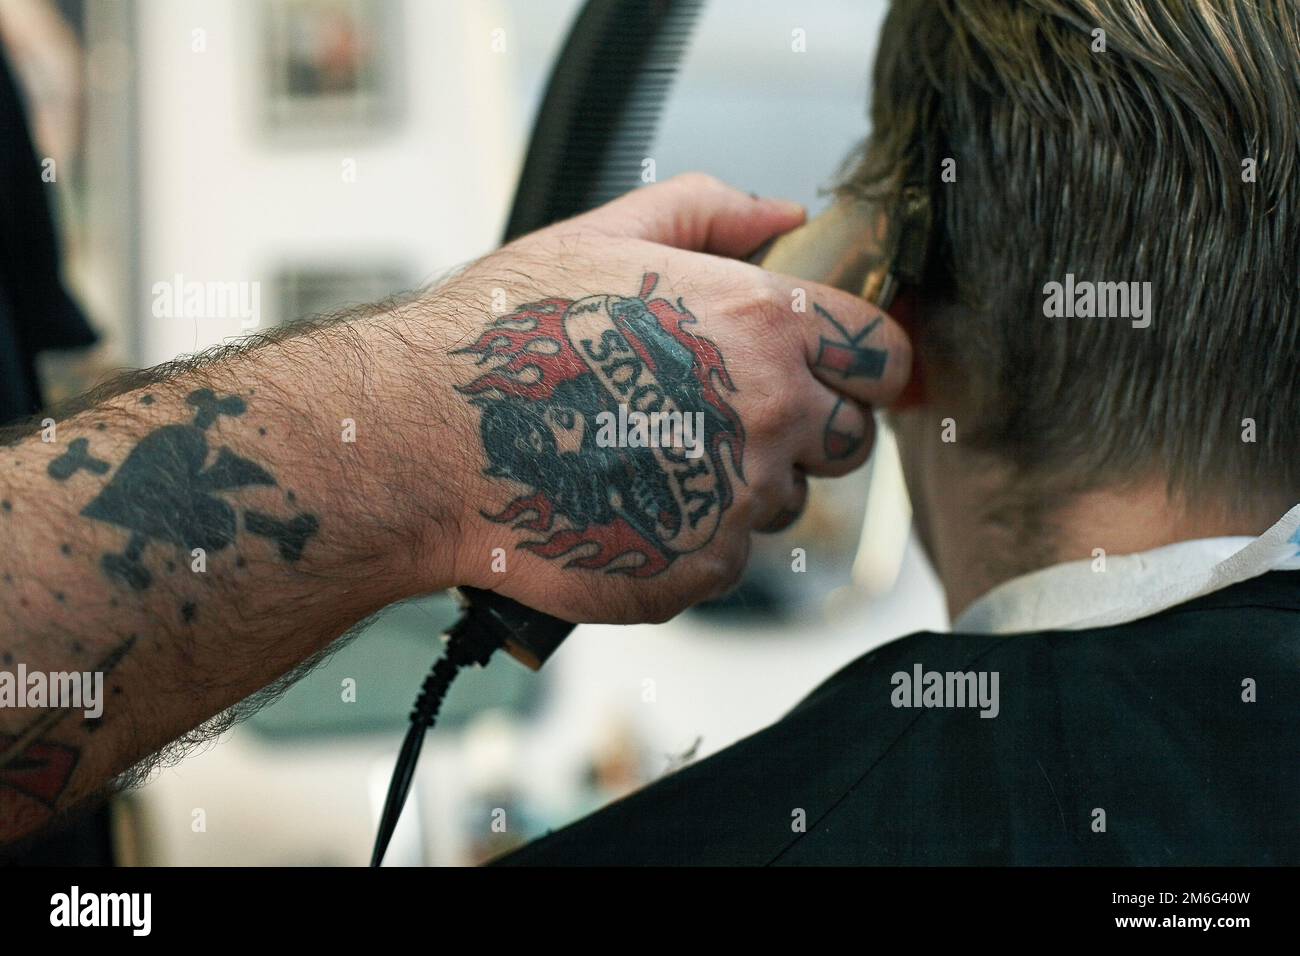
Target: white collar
1115 589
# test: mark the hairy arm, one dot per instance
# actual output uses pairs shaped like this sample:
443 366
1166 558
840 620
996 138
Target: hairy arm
200 530
182 543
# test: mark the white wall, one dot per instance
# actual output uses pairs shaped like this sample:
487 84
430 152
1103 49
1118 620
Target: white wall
221 202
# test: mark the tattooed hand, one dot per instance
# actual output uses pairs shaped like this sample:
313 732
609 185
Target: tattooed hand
638 418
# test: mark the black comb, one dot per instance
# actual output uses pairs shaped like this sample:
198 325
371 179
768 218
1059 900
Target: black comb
598 120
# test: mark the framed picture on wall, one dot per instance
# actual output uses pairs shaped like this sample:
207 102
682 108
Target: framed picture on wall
330 67
304 291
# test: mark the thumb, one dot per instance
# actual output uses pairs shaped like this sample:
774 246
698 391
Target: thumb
697 212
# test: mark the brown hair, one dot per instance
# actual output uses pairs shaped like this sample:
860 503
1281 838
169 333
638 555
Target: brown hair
1117 166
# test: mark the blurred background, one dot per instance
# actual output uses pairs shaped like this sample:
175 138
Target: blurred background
331 152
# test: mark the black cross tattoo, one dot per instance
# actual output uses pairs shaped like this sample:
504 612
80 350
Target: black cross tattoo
290 535
74 460
209 406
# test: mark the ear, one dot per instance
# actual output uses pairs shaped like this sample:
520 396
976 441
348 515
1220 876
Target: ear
904 310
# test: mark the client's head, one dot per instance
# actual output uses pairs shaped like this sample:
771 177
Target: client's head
1114 142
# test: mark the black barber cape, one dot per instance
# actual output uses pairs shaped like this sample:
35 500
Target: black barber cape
35 314
1144 723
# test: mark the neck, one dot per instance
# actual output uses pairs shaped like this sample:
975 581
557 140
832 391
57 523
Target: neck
977 546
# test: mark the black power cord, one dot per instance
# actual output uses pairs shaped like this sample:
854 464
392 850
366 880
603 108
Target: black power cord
487 622
466 645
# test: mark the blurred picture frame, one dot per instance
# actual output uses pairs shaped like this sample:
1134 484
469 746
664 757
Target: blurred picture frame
305 290
330 68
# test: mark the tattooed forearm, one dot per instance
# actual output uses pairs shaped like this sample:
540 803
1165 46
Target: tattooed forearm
563 380
171 499
192 540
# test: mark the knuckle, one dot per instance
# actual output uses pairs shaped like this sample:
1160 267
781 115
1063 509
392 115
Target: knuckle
717 572
657 607
731 566
696 181
770 305
775 413
741 512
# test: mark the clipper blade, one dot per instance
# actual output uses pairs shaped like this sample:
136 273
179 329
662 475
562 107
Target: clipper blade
856 247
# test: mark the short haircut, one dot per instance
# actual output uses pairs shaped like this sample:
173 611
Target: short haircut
1123 165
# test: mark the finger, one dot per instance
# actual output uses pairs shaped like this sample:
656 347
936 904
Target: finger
698 213
851 346
838 435
792 506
